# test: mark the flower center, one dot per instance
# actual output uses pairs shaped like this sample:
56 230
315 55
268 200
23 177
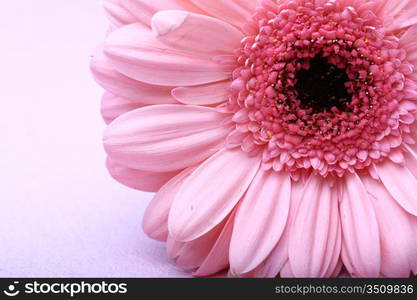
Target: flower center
322 86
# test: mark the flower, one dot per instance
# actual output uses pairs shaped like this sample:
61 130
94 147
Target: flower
280 136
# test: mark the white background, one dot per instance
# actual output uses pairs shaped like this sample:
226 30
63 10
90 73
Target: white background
60 212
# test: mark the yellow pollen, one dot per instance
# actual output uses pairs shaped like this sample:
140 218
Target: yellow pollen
366 40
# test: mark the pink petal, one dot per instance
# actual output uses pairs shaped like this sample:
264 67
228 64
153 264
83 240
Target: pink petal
393 7
337 270
286 271
193 253
194 32
138 54
410 159
361 252
218 257
204 94
260 220
117 14
235 12
161 138
334 260
399 14
143 10
409 36
155 220
120 85
174 248
401 184
397 236
138 179
113 106
222 179
409 43
274 263
315 230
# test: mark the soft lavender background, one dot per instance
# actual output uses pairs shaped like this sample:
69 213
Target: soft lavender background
61 214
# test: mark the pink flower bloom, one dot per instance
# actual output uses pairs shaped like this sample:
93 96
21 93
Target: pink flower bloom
280 136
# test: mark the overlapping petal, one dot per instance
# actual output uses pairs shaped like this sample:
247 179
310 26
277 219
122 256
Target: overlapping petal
223 179
397 235
114 106
137 179
117 14
361 252
398 14
401 184
123 86
162 138
144 10
155 220
140 55
218 257
208 94
315 238
260 220
195 33
235 12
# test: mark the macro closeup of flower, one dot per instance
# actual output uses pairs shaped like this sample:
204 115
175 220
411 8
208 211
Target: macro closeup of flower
279 136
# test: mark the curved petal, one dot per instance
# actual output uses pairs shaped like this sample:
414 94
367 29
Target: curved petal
140 55
194 32
174 248
235 12
121 85
161 138
337 270
276 260
208 94
137 179
401 184
361 252
194 252
410 156
210 193
218 257
408 36
286 271
334 259
408 43
260 220
315 230
398 14
143 10
397 236
114 106
155 220
117 14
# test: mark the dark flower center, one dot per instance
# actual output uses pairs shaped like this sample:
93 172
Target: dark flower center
322 86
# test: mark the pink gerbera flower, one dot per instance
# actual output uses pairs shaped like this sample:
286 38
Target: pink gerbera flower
280 136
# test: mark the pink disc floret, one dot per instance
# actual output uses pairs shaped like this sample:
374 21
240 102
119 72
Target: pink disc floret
272 120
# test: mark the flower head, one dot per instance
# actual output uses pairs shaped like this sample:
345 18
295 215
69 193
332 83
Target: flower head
278 135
